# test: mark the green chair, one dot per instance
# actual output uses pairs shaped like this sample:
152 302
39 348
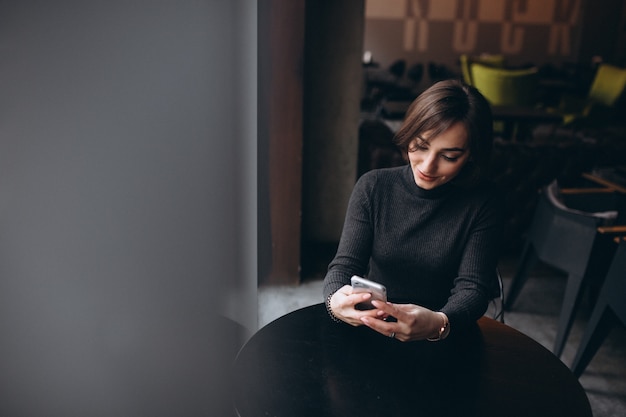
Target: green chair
496 61
607 87
506 87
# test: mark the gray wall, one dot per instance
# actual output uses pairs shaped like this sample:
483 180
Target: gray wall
127 201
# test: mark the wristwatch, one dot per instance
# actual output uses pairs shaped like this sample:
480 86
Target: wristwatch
444 330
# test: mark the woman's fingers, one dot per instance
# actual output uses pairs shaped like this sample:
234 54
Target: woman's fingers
343 304
386 328
388 309
410 322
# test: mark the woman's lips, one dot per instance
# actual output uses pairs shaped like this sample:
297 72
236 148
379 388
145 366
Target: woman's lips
425 177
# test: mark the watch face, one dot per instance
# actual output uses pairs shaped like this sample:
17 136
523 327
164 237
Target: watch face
443 330
446 330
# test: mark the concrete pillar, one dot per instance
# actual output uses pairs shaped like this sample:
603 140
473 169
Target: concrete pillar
333 83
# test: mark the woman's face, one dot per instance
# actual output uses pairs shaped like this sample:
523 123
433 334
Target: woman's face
437 160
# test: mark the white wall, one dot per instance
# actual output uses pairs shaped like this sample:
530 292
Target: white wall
127 202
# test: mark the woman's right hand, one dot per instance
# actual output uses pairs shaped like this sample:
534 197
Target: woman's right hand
343 303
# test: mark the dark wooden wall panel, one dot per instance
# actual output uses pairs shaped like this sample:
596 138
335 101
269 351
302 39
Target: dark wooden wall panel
281 25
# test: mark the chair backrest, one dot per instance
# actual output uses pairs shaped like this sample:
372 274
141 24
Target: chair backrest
376 148
415 72
609 202
397 68
564 237
604 217
496 61
502 86
608 85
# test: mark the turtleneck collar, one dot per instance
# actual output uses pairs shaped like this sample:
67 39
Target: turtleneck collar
415 189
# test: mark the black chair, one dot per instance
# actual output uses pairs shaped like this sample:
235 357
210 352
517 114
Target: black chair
415 73
397 68
376 148
498 298
438 72
609 310
571 240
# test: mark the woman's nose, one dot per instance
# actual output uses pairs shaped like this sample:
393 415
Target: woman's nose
429 164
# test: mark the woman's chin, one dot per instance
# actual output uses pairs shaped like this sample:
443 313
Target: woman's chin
427 184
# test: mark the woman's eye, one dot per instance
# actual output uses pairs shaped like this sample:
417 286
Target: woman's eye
417 148
450 158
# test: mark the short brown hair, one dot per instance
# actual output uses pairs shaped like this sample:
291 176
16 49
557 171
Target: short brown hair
442 105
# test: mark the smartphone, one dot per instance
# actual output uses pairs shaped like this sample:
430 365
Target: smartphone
378 291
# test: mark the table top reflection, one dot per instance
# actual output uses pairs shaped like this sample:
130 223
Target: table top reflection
305 364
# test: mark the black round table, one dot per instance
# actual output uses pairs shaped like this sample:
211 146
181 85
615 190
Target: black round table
304 364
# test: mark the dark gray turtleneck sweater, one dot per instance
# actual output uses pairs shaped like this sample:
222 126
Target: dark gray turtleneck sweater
435 248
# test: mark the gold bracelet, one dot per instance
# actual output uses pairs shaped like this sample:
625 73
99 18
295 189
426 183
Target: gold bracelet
443 330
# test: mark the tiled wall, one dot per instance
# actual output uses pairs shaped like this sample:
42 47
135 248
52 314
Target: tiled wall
537 31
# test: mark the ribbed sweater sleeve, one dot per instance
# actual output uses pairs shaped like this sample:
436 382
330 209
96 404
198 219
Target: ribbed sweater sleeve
436 248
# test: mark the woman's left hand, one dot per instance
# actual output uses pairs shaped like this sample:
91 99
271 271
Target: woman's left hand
413 322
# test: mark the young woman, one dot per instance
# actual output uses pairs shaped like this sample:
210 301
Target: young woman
430 230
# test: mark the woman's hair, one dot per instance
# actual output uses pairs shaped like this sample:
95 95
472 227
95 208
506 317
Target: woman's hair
438 108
